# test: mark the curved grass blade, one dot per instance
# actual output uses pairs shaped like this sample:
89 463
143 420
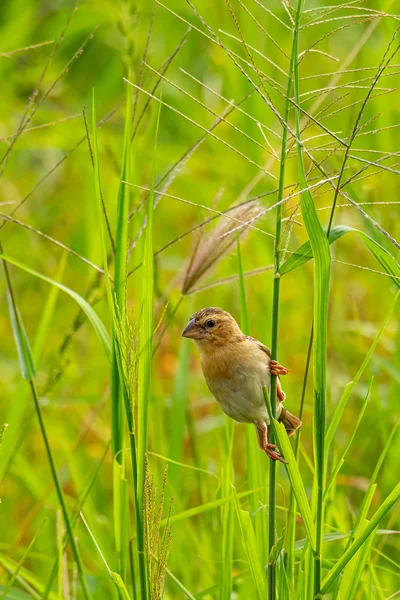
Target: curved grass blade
390 501
94 319
17 409
20 563
349 388
296 481
250 547
180 585
322 266
115 577
28 371
340 461
21 340
25 578
304 253
146 330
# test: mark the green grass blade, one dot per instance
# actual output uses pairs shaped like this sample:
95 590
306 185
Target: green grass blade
25 578
296 481
349 584
118 386
121 587
121 237
21 341
349 388
322 264
48 313
76 512
275 313
60 495
15 594
88 310
205 507
250 547
146 330
180 585
116 405
28 370
305 253
282 582
117 307
362 514
21 562
342 457
119 296
384 508
115 577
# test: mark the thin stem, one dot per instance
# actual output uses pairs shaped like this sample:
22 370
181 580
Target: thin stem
61 500
292 502
168 323
274 341
320 247
30 378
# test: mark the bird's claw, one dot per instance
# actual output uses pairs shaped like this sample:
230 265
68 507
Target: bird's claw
276 369
272 451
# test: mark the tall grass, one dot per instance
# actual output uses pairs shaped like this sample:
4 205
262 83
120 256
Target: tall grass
279 123
275 316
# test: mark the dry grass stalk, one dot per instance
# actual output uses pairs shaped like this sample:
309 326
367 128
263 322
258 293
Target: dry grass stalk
210 249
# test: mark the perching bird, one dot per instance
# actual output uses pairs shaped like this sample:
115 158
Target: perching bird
236 367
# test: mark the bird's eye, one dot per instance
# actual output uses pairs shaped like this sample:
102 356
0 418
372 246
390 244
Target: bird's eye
210 323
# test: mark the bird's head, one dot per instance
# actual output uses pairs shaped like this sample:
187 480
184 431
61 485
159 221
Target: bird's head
212 326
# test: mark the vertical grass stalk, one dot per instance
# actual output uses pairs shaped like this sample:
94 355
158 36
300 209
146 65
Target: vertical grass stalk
322 261
121 502
28 373
144 368
274 330
116 307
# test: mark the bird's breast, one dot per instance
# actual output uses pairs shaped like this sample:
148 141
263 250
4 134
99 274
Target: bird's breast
236 380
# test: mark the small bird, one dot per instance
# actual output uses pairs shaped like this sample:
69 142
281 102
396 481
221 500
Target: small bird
236 367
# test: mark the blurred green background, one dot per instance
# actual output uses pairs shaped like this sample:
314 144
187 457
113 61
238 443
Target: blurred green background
49 170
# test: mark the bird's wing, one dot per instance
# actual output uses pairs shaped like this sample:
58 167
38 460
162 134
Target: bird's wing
280 393
260 345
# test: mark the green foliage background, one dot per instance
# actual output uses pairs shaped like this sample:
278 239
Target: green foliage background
49 172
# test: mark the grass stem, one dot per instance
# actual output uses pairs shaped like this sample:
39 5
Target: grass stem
60 495
274 335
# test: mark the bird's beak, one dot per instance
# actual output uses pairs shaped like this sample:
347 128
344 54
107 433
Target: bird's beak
190 330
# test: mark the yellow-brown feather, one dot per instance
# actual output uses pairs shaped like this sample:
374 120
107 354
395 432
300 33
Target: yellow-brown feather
236 367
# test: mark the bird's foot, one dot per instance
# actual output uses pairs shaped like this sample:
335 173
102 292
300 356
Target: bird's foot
276 369
272 451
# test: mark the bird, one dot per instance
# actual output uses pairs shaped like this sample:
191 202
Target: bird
236 367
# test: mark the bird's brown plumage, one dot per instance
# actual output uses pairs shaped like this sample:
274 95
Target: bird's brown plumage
236 368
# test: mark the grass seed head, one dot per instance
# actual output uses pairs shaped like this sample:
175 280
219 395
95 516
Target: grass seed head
211 248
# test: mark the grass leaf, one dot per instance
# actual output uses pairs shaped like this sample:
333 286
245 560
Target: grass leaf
305 253
250 546
296 481
88 310
384 508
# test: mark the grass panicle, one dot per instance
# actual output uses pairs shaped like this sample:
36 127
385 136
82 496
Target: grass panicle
158 543
212 247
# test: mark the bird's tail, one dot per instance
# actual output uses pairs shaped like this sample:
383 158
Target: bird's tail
290 422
